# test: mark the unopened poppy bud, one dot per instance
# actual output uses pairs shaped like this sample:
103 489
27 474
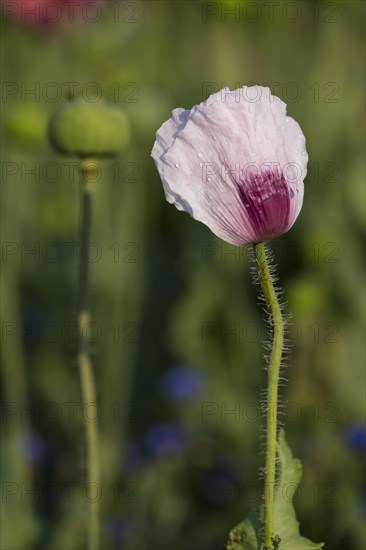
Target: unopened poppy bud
89 129
26 125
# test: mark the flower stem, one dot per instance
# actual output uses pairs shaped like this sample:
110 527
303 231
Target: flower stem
277 324
85 366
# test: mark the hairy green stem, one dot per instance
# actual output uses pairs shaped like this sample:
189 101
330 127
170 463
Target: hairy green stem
85 366
277 325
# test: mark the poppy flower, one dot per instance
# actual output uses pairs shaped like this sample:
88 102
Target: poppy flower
236 163
41 13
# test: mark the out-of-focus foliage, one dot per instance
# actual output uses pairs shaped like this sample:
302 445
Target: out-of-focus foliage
177 339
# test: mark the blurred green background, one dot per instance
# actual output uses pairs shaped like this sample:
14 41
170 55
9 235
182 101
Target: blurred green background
177 339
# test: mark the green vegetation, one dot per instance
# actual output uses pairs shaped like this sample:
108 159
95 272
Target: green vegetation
177 334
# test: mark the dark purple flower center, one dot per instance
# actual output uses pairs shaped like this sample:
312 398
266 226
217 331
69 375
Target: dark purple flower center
266 197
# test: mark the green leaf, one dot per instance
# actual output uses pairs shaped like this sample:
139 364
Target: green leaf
247 535
244 535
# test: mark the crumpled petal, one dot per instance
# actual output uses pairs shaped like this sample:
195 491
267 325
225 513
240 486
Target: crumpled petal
236 163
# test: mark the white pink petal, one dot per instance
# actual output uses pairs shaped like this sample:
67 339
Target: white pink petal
235 162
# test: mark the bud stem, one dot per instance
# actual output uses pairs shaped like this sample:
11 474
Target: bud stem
85 366
276 321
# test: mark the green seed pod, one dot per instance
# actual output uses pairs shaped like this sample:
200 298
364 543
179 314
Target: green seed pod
89 129
26 125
